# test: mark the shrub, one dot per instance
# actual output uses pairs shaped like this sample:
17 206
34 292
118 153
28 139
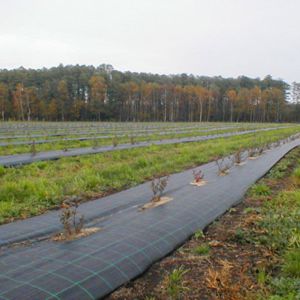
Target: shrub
198 175
238 156
72 223
158 186
33 148
115 141
223 167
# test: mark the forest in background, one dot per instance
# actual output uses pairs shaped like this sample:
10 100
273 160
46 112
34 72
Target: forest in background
79 93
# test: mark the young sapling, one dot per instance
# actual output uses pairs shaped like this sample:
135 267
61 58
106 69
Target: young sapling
158 186
198 178
115 141
260 150
33 148
71 221
95 143
198 175
223 167
252 153
238 157
132 140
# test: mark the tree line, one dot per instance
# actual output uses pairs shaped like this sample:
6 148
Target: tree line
71 93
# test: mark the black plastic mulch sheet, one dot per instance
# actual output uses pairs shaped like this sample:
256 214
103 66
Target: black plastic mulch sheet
27 158
130 241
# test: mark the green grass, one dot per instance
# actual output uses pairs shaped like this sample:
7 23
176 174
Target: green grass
280 224
34 188
260 190
202 250
175 285
291 266
199 234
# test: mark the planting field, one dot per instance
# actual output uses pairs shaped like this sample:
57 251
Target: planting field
33 189
113 191
37 137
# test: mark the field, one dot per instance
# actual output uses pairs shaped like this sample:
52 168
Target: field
33 189
138 200
19 137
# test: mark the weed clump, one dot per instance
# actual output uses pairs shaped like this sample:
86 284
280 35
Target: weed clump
175 285
202 250
199 234
260 190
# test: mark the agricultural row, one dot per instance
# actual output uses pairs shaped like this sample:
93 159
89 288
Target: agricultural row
15 141
35 188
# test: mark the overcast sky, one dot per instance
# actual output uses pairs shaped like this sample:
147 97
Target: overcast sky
202 37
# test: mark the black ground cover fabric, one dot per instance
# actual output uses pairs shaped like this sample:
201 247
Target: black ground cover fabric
130 240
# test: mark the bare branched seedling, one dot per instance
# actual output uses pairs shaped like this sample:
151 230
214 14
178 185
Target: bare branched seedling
268 146
260 150
132 140
115 141
252 152
71 221
277 143
223 166
198 176
158 186
95 143
238 157
33 148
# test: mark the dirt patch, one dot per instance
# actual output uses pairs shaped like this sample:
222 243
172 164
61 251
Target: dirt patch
253 157
61 237
152 204
240 164
201 183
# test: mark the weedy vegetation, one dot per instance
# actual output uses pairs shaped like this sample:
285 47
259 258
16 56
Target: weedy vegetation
175 284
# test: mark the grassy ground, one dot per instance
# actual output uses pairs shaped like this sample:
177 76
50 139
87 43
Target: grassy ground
252 252
61 145
35 188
